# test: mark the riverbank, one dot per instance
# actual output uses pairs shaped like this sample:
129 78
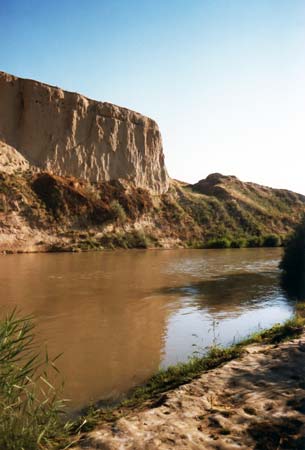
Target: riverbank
249 396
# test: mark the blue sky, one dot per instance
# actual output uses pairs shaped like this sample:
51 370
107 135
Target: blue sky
224 79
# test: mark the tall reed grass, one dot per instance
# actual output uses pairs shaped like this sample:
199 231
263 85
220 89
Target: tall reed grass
30 406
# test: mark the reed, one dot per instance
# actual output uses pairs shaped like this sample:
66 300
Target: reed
30 406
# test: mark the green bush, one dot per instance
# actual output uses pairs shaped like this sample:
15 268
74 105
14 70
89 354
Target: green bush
29 405
133 239
238 243
219 243
293 262
256 241
137 239
118 213
272 240
195 244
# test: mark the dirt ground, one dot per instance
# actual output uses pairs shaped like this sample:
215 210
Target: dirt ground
255 402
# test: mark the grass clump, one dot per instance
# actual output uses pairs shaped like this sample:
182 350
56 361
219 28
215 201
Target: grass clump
290 329
30 407
118 212
182 373
154 391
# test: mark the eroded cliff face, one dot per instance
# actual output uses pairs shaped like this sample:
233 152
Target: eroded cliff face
69 134
11 161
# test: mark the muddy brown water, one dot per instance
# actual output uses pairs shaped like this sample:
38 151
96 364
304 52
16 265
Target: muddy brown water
118 316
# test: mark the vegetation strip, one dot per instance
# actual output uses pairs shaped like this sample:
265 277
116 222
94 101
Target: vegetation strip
151 394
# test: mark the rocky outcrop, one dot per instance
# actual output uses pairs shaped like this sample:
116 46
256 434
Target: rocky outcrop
69 134
11 161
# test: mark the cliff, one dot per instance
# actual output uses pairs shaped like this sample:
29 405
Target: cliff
77 174
69 134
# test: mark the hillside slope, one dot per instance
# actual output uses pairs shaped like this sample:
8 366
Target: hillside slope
40 211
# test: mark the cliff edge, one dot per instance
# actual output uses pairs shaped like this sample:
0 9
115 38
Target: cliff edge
69 134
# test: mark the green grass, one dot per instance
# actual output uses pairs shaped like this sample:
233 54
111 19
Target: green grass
290 329
227 241
154 391
30 407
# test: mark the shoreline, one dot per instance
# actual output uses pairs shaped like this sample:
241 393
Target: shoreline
79 249
133 421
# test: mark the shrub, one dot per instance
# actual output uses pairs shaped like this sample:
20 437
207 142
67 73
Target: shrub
133 239
29 404
141 241
118 212
256 241
293 262
219 243
272 240
195 244
238 243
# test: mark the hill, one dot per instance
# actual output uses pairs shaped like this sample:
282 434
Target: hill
40 211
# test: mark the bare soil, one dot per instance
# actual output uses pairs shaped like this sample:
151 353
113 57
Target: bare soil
255 402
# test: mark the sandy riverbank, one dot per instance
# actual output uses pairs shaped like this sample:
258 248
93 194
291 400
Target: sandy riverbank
254 402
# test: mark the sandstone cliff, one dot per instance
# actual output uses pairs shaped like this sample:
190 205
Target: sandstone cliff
69 134
11 161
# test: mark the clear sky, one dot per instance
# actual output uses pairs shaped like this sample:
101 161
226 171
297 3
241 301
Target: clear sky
224 79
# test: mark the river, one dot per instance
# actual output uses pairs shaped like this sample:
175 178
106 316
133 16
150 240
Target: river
118 316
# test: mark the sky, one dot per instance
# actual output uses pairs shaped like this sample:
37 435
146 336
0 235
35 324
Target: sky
224 79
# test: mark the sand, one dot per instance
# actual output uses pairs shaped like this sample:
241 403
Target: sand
255 402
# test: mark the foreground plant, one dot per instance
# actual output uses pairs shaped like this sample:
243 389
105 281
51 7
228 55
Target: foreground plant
30 407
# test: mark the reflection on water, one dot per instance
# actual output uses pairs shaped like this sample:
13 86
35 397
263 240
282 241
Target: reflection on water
238 290
118 316
223 310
